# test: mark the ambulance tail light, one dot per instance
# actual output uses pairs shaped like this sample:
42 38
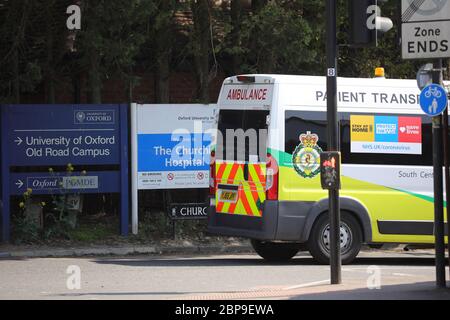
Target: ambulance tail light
246 79
271 178
212 174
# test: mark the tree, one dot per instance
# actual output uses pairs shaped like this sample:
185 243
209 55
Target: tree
20 70
361 62
162 36
110 38
235 33
278 38
201 41
163 43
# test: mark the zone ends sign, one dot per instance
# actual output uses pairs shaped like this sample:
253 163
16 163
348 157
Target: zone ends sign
428 41
425 29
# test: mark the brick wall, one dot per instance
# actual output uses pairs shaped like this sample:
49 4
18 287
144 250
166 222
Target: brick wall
183 87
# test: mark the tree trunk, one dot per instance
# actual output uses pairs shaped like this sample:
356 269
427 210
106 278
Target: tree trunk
200 11
130 86
448 69
266 60
76 87
163 52
50 84
258 5
16 76
95 90
162 82
236 20
49 63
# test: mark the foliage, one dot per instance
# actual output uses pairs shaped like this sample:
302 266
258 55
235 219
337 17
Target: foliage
59 219
361 62
200 37
110 38
25 228
279 40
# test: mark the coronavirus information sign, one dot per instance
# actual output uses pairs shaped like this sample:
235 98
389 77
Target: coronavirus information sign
40 141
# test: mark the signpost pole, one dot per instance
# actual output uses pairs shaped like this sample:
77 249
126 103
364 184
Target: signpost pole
134 187
425 33
446 172
333 195
124 184
438 189
5 204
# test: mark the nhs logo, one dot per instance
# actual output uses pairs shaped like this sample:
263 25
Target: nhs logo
94 117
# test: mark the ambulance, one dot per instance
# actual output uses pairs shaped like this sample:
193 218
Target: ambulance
265 167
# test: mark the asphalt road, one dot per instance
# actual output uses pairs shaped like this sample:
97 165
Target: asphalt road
391 275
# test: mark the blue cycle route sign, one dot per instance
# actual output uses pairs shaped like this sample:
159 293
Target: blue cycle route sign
433 100
92 138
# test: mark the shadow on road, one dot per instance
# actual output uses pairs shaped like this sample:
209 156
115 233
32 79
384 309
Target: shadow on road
119 294
395 261
410 291
250 261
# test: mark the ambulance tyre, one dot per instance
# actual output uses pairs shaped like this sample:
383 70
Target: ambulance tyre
351 238
274 251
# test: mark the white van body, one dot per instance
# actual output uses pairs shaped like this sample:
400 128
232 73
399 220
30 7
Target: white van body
387 177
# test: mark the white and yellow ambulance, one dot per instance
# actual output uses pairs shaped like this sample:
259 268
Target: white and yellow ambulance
265 177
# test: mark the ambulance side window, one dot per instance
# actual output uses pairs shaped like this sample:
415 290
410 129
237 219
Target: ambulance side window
298 122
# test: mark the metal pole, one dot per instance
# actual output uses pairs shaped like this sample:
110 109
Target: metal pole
438 190
446 174
333 195
134 182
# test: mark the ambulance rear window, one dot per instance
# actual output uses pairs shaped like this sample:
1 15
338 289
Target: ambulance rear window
244 135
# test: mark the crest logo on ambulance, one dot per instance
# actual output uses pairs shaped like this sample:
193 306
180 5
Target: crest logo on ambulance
306 156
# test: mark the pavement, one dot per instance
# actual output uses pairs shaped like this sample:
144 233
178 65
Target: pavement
226 245
164 247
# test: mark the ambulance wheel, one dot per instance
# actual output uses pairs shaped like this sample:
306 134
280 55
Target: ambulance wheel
319 238
274 251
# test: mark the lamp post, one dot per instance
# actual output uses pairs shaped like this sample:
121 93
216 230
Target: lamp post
333 195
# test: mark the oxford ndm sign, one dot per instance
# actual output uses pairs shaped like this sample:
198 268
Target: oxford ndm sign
425 29
36 138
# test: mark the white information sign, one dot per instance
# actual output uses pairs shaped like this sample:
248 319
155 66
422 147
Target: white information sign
425 29
173 145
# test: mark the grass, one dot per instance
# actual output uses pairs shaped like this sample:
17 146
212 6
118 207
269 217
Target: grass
89 233
104 230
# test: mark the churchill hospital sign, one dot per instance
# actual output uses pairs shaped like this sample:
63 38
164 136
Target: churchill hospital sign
39 141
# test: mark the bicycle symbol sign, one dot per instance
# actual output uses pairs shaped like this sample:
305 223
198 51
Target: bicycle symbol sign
433 100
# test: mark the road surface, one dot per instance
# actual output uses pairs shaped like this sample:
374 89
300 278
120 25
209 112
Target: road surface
374 275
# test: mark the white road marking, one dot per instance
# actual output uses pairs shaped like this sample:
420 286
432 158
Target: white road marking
403 274
390 268
309 284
